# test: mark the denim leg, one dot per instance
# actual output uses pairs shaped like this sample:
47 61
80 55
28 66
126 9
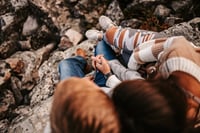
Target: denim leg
125 57
72 67
103 48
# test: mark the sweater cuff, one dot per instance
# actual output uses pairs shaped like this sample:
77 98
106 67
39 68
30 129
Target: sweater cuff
112 81
180 64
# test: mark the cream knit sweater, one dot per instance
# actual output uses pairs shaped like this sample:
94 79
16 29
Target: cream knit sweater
172 54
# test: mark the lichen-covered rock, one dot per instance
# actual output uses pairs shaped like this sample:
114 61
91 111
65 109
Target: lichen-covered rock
74 36
18 4
8 48
114 12
34 120
7 101
5 74
4 125
6 20
190 30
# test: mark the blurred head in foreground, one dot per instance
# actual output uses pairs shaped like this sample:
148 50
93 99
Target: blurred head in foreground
79 106
156 106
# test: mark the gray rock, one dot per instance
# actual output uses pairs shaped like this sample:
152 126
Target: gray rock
34 121
6 20
65 43
74 36
132 23
172 20
23 110
190 30
114 12
5 74
32 62
162 11
59 13
180 5
29 26
16 86
2 2
3 125
25 45
18 4
7 100
7 48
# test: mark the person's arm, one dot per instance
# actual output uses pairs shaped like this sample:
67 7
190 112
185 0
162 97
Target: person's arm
123 73
112 81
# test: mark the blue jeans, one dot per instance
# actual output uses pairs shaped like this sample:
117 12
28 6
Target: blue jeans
74 66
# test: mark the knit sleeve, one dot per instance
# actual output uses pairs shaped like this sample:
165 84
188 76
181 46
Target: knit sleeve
180 55
123 73
112 81
147 52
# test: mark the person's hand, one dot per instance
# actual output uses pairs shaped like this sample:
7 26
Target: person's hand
96 59
101 64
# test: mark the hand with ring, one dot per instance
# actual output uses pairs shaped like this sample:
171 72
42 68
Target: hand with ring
100 63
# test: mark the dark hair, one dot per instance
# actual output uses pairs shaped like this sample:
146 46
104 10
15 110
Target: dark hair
79 106
150 106
192 129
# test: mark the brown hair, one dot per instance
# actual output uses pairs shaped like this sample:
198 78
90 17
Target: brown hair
79 106
150 106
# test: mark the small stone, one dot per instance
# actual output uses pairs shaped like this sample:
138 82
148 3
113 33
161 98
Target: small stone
18 4
7 76
65 43
6 20
30 26
25 45
74 36
162 11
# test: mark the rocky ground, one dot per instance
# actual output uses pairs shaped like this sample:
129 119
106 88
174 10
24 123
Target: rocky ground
36 34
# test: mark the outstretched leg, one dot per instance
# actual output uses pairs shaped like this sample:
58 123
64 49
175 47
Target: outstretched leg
74 66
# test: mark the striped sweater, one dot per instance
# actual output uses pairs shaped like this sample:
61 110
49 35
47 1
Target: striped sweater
172 54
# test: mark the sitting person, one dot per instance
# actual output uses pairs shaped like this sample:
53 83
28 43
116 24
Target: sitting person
79 106
105 78
76 67
122 40
176 58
